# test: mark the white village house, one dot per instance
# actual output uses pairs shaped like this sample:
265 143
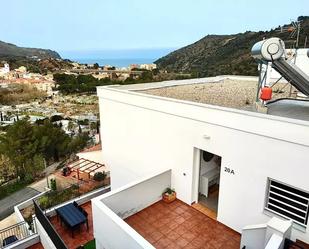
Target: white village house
142 134
240 171
257 160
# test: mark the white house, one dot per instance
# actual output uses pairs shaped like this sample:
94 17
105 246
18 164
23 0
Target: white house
150 66
5 69
253 164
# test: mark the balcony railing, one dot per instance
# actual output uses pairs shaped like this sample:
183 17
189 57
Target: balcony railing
48 227
15 233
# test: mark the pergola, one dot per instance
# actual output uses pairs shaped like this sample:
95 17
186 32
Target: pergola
85 168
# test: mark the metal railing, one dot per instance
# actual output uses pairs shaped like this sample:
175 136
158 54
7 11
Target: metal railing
48 227
16 232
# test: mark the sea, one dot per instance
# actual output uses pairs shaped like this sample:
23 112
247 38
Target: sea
118 58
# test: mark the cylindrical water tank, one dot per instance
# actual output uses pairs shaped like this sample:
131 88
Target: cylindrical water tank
269 49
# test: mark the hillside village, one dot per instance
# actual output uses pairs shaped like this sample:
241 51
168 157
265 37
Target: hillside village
204 148
44 100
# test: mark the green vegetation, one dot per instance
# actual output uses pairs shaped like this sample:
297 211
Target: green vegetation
19 93
36 66
169 191
224 54
54 198
27 146
10 188
53 184
90 245
99 176
9 49
34 59
87 83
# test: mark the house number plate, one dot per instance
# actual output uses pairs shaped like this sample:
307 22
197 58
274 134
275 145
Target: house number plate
229 170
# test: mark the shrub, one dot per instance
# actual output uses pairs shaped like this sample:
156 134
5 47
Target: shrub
99 176
54 198
44 202
10 188
169 191
53 184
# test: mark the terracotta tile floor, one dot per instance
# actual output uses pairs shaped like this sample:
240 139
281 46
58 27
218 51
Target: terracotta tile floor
36 246
178 225
208 212
80 237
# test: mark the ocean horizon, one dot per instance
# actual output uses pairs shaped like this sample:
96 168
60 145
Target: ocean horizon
117 58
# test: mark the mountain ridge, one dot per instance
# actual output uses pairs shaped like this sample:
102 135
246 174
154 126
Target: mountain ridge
223 54
12 50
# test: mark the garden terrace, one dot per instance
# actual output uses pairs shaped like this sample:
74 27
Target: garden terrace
84 169
68 189
69 224
81 236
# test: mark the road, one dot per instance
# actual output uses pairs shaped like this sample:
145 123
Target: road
7 204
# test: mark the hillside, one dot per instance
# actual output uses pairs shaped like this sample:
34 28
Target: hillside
36 60
11 50
223 54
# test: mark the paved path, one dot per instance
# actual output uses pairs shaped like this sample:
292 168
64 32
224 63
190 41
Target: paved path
8 221
41 185
7 204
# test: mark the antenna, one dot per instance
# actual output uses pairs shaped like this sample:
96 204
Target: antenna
294 30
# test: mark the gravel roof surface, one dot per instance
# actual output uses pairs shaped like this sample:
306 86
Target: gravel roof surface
238 94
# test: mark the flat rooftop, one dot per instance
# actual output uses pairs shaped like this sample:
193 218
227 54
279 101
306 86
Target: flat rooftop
238 92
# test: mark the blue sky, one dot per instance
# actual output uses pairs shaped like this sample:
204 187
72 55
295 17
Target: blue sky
126 24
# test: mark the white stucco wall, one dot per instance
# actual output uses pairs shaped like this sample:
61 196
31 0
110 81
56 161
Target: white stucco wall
140 195
109 234
142 133
109 210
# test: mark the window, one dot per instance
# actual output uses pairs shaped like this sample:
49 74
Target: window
287 201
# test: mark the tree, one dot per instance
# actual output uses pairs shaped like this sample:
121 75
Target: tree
79 142
52 141
93 126
20 146
27 146
38 164
83 122
71 126
6 169
55 118
96 66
